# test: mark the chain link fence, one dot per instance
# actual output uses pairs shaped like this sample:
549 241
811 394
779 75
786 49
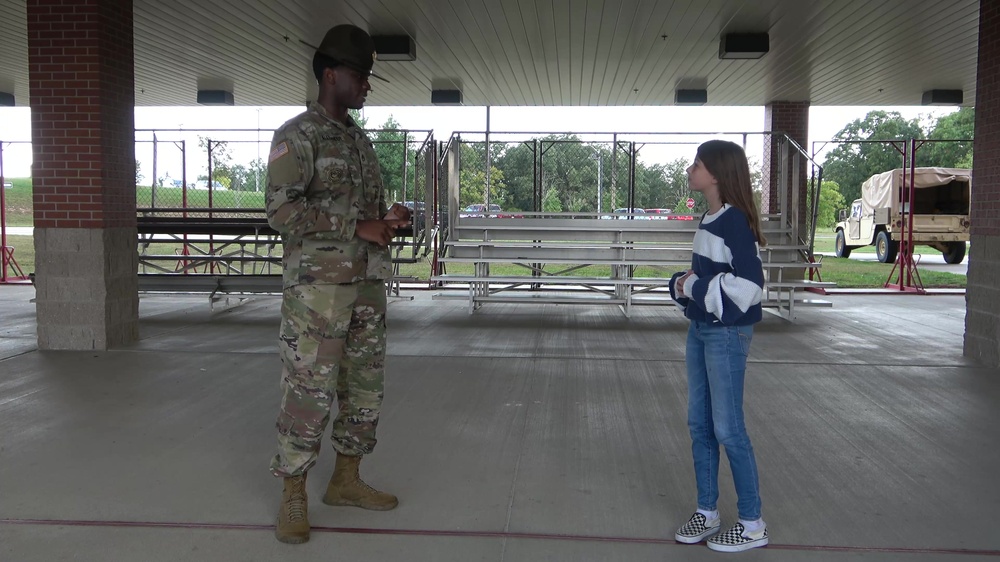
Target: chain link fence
582 174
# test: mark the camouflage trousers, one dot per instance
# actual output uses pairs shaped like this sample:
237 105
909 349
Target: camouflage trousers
332 346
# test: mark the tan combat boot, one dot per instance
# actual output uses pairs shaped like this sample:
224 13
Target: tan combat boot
293 516
347 488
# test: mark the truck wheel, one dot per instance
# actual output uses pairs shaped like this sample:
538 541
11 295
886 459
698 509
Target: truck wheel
885 248
955 252
841 248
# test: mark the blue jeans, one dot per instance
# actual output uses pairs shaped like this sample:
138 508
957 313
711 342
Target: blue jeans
716 364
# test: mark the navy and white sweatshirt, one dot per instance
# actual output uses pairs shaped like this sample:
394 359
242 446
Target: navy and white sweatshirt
728 278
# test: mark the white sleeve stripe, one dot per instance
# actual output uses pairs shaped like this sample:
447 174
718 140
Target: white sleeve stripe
742 292
713 298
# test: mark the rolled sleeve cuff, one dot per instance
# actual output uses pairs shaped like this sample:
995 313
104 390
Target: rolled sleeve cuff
689 285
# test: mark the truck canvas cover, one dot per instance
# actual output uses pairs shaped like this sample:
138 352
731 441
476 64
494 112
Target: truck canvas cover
881 190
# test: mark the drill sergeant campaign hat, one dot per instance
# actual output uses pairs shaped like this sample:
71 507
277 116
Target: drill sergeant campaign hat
350 46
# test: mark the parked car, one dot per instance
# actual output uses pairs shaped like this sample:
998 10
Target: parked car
624 212
415 206
8 185
668 214
479 210
418 212
657 212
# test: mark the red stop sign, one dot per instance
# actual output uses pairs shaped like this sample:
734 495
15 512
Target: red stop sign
690 203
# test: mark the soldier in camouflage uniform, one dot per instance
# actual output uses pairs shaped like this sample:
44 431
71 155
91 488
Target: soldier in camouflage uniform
324 195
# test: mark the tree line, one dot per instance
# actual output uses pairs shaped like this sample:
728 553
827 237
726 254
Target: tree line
564 173
555 173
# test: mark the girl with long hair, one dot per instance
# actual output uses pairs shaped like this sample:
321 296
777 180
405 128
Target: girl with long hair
721 296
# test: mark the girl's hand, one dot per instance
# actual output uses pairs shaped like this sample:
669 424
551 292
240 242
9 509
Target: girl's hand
679 284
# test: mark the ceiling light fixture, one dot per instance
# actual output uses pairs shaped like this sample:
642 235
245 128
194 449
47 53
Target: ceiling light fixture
942 97
691 97
395 47
215 97
446 97
743 45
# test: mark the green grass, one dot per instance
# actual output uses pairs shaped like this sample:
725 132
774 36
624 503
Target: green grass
845 272
826 240
24 253
18 208
848 273
174 197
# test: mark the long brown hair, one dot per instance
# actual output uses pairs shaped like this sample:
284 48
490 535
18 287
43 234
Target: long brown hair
728 163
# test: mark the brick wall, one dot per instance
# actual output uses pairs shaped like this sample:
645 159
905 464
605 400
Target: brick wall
982 317
986 149
80 55
791 118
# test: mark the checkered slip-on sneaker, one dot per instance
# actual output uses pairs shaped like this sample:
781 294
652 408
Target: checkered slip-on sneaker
737 539
697 529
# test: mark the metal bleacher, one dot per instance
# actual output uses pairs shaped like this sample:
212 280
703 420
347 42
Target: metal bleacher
204 253
230 253
228 257
622 259
629 262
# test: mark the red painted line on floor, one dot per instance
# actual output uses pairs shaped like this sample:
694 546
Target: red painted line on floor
477 534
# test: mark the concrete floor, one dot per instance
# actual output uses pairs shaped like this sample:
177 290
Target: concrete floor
522 432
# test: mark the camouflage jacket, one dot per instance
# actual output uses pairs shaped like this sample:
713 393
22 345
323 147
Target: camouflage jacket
323 177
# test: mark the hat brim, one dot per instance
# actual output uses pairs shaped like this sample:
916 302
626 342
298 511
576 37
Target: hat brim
379 77
361 70
338 61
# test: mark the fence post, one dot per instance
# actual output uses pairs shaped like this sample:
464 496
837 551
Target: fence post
454 162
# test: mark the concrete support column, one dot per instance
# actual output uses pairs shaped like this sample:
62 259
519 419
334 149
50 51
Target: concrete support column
791 118
982 314
80 56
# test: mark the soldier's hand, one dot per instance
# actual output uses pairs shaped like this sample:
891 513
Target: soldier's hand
378 231
396 224
398 211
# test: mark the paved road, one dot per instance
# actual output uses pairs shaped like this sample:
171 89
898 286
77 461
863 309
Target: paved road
932 261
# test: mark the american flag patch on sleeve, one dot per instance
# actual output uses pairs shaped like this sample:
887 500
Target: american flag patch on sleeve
278 151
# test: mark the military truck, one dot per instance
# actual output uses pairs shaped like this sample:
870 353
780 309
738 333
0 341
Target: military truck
940 214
